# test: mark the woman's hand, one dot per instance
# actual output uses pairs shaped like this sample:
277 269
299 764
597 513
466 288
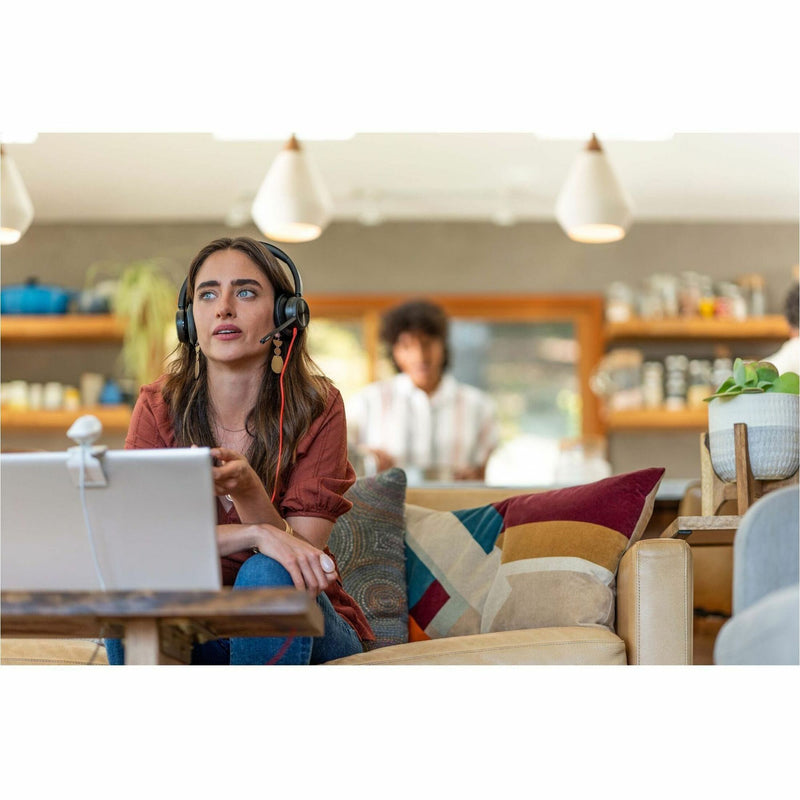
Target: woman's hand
233 474
302 560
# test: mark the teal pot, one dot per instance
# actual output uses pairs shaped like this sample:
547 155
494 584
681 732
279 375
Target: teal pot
773 434
32 298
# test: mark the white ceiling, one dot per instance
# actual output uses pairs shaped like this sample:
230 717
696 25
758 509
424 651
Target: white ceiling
129 177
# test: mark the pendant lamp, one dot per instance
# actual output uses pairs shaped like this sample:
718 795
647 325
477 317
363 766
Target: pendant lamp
16 208
592 206
292 204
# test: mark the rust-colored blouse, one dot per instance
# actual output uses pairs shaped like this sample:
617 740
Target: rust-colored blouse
313 487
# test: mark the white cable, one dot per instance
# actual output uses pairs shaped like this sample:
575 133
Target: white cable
84 450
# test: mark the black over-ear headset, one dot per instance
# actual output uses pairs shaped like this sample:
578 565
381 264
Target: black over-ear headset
290 309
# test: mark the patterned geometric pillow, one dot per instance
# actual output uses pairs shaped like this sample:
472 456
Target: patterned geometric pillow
451 562
369 548
453 559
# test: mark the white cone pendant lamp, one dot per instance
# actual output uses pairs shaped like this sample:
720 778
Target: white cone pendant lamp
592 206
292 204
16 208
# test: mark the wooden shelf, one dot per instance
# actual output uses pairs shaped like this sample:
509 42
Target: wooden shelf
55 328
657 419
768 327
115 417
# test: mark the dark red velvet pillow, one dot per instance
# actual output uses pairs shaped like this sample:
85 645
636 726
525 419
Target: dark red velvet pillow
623 503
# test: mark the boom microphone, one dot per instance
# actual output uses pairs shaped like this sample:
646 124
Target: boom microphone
277 330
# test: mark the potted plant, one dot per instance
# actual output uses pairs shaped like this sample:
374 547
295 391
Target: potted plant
768 403
146 297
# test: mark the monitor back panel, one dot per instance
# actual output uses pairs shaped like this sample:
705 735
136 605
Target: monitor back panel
153 525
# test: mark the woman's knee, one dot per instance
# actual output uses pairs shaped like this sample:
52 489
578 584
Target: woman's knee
261 570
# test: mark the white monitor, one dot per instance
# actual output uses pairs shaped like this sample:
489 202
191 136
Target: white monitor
153 524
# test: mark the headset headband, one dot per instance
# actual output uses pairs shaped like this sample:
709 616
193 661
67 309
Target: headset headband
279 254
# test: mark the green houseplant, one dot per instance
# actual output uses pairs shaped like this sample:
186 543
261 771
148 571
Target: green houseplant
768 403
145 297
756 377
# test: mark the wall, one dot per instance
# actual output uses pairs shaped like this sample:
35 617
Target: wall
435 257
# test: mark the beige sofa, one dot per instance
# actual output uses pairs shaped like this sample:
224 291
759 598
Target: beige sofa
654 611
654 608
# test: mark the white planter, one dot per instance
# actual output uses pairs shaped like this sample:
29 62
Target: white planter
773 435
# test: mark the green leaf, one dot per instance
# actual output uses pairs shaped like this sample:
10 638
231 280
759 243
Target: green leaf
725 385
751 376
721 389
145 298
739 374
766 371
788 383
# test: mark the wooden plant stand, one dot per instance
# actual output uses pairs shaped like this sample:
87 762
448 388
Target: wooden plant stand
745 490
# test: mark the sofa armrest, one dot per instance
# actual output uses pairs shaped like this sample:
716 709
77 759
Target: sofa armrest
655 602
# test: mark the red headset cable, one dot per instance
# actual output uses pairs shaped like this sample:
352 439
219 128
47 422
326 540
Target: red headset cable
289 639
280 431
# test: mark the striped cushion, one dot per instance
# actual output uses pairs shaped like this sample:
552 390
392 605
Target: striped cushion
533 560
554 574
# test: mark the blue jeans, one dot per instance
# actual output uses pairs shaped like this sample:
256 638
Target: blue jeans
338 641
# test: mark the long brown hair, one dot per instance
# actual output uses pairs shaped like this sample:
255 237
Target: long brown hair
305 388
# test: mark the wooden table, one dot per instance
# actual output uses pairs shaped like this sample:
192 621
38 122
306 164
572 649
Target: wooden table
160 627
704 529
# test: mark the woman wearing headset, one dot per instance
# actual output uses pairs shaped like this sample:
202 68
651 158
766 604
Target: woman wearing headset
278 436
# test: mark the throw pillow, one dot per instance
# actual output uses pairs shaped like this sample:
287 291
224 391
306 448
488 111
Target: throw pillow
368 544
559 562
453 559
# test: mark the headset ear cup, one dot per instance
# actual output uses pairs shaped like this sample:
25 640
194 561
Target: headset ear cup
180 326
297 309
280 309
184 318
191 330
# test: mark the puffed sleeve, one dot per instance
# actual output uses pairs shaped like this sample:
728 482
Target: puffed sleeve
321 474
150 426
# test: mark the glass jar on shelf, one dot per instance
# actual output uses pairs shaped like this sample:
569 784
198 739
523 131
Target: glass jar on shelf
730 302
758 303
708 299
650 305
619 302
675 381
689 294
667 287
618 379
652 384
698 382
752 287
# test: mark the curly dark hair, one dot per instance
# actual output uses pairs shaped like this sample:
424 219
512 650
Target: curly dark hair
791 305
415 316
